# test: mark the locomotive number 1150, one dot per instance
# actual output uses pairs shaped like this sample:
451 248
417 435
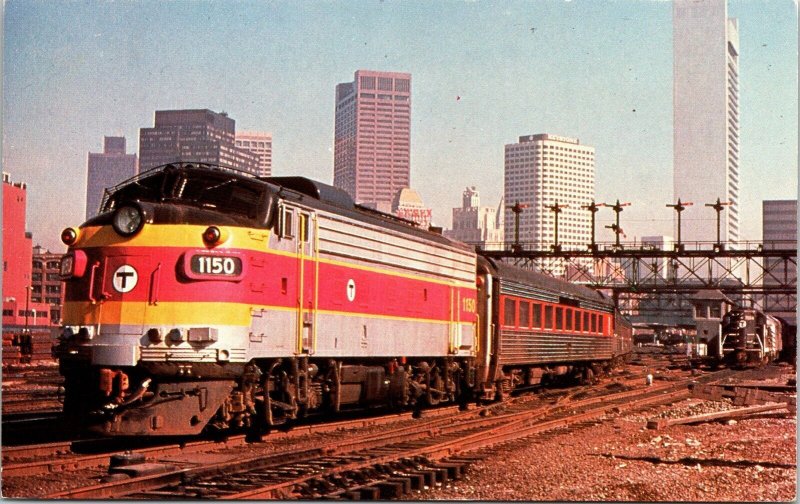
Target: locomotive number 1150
216 265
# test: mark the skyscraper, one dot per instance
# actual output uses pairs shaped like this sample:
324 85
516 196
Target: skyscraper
372 139
107 169
197 135
706 116
477 225
540 171
260 144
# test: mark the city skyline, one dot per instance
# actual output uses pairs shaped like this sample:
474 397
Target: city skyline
82 71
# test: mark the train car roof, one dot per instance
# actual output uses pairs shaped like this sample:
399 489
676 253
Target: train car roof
517 274
327 197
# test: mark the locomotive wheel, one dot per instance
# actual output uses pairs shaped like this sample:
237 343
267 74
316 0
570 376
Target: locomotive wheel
434 397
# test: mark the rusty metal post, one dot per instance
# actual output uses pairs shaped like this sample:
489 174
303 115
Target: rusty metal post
718 206
594 209
680 207
556 209
517 208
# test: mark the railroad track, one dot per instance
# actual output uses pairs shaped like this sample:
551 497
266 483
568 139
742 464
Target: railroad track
71 454
383 465
57 457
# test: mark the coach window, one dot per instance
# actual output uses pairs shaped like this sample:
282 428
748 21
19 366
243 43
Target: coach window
548 317
537 315
578 320
586 321
524 314
569 319
593 326
559 317
509 312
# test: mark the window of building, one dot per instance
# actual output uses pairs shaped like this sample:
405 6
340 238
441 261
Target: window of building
367 82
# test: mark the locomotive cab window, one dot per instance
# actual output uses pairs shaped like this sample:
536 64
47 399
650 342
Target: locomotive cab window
509 312
286 223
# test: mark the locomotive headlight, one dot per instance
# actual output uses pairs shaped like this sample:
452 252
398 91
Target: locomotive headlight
69 236
127 220
214 235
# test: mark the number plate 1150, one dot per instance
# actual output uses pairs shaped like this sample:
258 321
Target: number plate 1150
208 266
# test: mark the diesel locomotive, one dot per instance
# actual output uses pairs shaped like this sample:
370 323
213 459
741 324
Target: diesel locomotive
205 298
750 337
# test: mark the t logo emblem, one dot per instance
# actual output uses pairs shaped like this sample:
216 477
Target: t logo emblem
125 279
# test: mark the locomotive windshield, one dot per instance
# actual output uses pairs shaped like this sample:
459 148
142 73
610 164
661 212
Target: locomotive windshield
220 191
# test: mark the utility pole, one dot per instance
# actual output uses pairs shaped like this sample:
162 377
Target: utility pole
517 209
592 207
556 209
615 227
680 207
27 306
719 206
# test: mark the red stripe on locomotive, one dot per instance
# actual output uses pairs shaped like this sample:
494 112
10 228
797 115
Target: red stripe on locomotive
273 280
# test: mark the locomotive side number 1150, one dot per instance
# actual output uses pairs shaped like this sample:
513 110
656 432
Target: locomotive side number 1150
216 265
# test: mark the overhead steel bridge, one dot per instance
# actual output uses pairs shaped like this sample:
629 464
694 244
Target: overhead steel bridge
752 273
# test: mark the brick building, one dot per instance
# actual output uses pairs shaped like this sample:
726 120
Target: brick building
19 310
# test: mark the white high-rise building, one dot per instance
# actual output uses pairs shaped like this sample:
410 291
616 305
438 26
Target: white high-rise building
477 225
706 117
260 144
540 171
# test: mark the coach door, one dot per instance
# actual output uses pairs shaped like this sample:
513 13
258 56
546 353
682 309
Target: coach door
308 281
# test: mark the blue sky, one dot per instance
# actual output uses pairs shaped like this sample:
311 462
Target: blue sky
599 71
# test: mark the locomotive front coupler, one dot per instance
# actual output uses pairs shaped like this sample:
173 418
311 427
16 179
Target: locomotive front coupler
122 402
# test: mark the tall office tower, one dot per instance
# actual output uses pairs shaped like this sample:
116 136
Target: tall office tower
540 171
200 136
706 116
107 169
477 225
780 232
372 139
259 144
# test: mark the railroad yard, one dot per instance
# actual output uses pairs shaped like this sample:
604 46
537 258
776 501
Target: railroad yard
696 435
